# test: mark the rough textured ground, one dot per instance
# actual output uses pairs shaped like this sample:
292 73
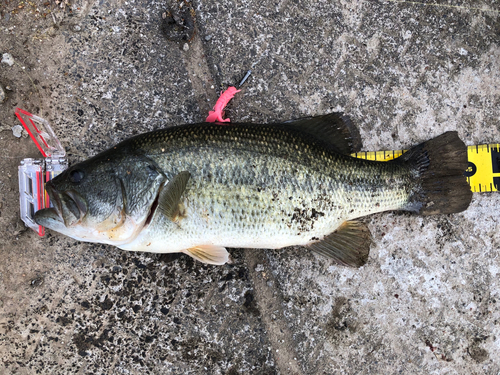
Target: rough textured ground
427 301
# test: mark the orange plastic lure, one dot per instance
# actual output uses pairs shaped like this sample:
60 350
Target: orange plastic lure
217 113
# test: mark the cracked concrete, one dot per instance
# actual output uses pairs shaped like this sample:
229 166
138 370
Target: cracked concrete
427 300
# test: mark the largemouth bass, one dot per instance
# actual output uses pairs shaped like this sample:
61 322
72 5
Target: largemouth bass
201 188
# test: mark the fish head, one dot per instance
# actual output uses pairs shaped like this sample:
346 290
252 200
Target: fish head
106 199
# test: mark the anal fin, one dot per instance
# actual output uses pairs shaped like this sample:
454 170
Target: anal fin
349 245
209 254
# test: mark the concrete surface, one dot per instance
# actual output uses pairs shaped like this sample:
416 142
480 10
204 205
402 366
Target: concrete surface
428 300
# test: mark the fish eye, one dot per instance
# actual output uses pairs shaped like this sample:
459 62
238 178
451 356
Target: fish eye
76 176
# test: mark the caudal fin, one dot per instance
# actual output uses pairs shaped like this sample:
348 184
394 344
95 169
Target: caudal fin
439 166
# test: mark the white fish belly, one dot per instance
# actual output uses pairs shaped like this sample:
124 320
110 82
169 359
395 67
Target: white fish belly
241 219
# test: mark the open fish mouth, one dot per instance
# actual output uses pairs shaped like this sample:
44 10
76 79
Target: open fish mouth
74 203
67 207
54 198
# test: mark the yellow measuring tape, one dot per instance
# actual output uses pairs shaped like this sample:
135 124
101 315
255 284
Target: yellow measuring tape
483 171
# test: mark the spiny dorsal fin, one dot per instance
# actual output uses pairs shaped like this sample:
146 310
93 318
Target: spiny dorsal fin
170 195
335 129
349 245
209 254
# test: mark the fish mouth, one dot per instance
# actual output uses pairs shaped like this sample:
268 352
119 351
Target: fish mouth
54 198
75 203
49 218
69 205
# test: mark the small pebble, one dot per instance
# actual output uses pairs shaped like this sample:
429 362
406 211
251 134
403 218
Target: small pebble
3 96
37 281
8 59
208 37
185 47
17 130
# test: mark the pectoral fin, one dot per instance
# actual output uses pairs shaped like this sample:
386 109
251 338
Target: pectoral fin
349 245
209 254
170 196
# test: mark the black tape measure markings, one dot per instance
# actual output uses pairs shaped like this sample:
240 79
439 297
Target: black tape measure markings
483 171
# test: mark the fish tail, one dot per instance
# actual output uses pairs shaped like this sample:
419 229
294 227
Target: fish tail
438 167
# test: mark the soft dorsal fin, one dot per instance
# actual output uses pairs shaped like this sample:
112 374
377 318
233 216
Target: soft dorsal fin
170 195
349 245
209 254
335 129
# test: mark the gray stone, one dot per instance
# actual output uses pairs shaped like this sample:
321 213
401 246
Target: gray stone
7 59
17 131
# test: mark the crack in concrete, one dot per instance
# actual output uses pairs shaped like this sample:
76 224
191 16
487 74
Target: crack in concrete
270 301
199 75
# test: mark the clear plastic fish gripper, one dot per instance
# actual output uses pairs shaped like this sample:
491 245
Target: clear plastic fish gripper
34 173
